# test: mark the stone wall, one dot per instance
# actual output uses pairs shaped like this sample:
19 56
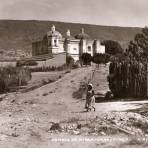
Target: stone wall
56 60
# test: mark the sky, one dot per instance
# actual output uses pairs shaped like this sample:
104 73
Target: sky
132 13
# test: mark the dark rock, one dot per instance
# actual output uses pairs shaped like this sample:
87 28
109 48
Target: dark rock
56 126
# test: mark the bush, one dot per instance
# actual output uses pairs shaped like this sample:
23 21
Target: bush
49 68
86 58
112 47
100 58
75 66
13 77
3 87
69 61
26 63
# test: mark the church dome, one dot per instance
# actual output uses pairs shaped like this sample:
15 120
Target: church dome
82 35
68 35
54 33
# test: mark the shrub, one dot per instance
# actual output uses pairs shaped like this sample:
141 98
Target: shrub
100 58
49 68
112 47
13 77
75 66
86 58
3 87
26 63
69 61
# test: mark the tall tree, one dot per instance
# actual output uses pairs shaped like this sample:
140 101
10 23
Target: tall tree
139 46
112 47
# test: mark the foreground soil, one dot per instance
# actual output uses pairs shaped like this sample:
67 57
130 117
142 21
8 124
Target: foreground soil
54 115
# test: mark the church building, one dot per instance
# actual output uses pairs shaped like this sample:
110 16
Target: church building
54 43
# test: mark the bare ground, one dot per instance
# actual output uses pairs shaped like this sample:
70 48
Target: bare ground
38 117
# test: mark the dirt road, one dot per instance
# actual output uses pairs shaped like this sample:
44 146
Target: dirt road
132 106
27 119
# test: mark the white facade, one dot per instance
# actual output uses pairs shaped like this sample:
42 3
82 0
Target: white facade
101 49
73 49
73 46
89 47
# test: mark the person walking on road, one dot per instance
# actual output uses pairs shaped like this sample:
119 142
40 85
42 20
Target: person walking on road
90 98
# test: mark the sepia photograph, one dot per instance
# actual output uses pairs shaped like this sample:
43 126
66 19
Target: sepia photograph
73 73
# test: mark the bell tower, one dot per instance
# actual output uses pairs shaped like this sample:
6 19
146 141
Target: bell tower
82 30
53 28
68 33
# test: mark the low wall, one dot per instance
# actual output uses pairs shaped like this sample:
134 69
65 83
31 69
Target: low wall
56 61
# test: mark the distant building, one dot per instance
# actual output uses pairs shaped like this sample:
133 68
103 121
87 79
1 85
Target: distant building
54 43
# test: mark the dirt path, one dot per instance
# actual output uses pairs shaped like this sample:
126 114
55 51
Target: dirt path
26 118
27 115
123 106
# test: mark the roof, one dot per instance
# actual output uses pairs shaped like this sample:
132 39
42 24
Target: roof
82 35
54 33
68 35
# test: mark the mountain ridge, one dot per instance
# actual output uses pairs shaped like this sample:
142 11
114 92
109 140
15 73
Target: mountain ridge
19 34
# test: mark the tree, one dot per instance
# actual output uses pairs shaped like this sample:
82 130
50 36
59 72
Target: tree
112 47
86 58
139 46
99 58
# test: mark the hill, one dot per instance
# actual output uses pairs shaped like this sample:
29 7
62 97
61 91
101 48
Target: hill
19 34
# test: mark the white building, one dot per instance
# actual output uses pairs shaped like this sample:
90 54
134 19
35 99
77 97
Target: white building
53 42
